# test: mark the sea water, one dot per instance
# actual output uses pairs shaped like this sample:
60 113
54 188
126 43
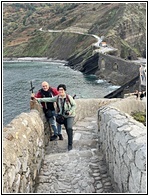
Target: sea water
17 77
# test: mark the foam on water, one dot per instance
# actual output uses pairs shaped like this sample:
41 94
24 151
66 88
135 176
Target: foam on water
100 81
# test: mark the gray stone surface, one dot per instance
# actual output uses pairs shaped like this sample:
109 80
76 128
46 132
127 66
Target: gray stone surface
23 151
123 141
79 170
113 133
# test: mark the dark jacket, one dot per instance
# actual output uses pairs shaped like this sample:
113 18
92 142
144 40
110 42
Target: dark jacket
50 93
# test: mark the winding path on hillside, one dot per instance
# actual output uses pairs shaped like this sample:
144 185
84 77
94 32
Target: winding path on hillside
96 44
100 49
81 170
99 40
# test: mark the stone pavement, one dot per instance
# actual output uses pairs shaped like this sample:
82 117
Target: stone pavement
81 170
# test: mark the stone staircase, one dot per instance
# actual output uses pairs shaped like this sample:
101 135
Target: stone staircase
81 170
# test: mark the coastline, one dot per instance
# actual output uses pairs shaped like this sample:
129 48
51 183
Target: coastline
32 59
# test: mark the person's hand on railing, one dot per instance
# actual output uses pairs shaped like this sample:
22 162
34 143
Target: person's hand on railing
32 96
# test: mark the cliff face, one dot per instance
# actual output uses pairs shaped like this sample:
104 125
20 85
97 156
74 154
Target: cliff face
122 25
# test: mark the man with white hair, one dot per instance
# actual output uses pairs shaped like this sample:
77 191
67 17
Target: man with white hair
48 108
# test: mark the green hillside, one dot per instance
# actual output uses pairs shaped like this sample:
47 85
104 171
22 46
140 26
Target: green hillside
122 25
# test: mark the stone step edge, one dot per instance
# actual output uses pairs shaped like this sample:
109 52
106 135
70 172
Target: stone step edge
72 152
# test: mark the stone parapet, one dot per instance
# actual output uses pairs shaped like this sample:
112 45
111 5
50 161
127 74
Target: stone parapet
123 141
89 107
24 141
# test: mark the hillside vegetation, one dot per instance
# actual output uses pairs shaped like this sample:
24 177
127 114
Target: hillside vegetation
122 25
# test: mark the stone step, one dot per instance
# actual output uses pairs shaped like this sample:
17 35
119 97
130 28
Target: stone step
75 172
81 170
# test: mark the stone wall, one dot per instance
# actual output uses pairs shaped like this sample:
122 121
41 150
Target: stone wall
116 70
24 141
113 69
123 141
89 107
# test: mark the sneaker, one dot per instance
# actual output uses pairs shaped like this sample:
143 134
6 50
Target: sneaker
54 137
60 136
69 147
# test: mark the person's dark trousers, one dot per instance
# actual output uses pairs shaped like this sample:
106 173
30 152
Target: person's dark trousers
68 123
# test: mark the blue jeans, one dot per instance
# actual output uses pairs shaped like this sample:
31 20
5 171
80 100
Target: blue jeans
55 126
68 123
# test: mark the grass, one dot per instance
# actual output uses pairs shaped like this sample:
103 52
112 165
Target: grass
97 18
140 116
60 45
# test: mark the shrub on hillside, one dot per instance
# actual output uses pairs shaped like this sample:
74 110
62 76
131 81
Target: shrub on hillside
140 116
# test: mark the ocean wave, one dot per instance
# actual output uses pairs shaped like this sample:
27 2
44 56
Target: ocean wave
100 81
114 87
